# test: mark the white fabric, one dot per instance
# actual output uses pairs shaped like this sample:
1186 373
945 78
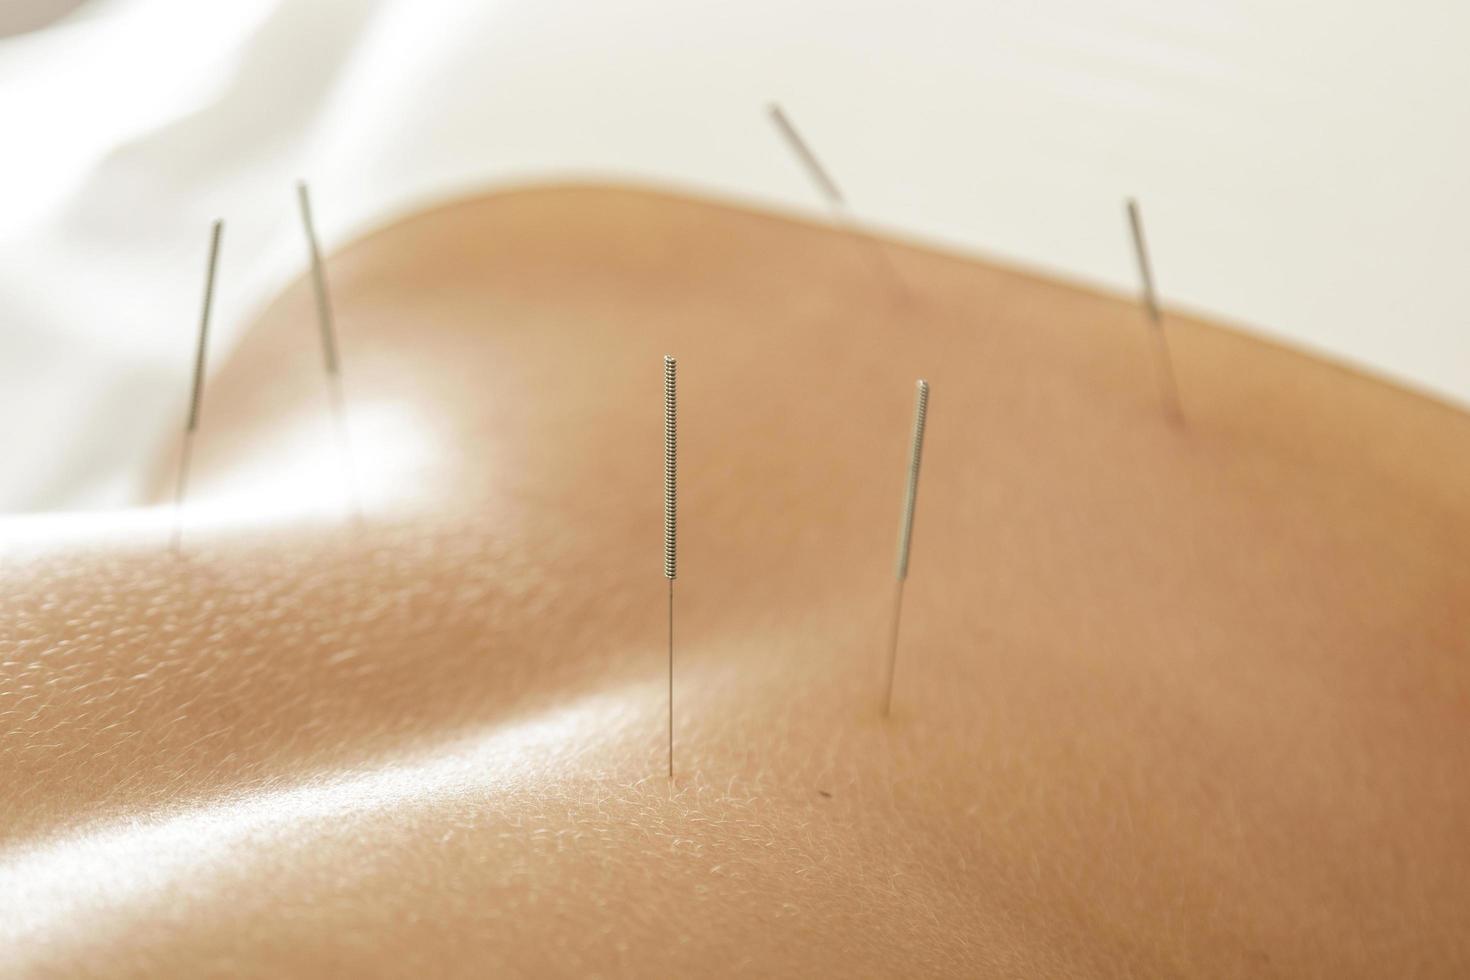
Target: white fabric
1302 167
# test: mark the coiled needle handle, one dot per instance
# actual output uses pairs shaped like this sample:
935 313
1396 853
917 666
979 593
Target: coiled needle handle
671 517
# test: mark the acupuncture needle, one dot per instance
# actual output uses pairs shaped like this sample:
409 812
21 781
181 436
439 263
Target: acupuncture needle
671 518
1164 359
827 187
196 397
906 531
328 327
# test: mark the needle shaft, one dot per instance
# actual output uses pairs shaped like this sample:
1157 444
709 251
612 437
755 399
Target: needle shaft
196 395
1163 357
827 187
906 532
327 325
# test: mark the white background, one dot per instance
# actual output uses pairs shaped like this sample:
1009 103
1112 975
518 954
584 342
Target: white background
1304 166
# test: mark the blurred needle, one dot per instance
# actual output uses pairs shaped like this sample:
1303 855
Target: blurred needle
872 248
671 518
191 425
328 327
1168 384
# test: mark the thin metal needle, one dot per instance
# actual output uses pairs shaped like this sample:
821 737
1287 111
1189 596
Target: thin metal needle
191 425
906 531
818 173
328 327
829 190
671 518
1168 384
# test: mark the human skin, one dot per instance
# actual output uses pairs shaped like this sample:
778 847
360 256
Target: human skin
1169 700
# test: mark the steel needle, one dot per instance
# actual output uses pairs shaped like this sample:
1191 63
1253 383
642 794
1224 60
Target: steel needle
328 327
906 531
196 397
829 190
1168 384
671 519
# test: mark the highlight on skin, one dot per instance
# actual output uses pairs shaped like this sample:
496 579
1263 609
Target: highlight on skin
1170 704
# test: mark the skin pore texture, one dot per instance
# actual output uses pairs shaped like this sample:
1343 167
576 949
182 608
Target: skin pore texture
1169 701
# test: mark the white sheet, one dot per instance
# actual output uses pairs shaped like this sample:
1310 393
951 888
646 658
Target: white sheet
1302 167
